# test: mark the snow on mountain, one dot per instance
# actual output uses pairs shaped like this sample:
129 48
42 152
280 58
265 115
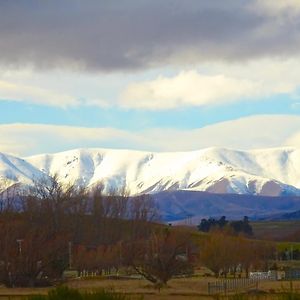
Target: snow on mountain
16 170
264 172
270 172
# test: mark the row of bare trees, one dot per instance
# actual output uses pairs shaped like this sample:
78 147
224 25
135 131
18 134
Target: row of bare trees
114 231
37 225
223 253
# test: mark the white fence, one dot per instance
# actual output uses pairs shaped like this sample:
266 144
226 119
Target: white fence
230 285
270 275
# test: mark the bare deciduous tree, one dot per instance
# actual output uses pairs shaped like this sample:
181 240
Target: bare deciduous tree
160 257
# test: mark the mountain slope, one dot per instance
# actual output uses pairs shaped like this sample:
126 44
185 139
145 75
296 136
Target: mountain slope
191 207
269 172
16 170
264 172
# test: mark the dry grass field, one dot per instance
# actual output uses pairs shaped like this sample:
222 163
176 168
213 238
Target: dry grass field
184 288
178 289
275 230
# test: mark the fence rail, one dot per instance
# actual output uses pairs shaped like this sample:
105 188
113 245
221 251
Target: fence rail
229 285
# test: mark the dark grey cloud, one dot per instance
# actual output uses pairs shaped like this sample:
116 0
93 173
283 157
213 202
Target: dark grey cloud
109 35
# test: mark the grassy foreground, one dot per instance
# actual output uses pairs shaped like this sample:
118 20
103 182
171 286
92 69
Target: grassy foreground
177 289
66 293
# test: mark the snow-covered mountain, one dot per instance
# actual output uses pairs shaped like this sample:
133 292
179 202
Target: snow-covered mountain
15 170
270 172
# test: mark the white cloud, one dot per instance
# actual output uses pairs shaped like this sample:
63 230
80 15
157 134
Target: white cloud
57 88
206 85
294 139
259 131
188 88
27 139
101 103
246 133
219 84
31 94
278 7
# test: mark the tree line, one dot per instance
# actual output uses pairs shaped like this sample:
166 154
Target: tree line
237 227
49 228
227 254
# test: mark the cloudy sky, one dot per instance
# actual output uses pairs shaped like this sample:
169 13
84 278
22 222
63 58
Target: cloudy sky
154 75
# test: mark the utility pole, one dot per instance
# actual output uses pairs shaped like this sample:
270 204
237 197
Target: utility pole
70 255
20 241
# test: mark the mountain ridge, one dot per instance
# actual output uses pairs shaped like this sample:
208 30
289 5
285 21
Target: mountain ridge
189 207
266 172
